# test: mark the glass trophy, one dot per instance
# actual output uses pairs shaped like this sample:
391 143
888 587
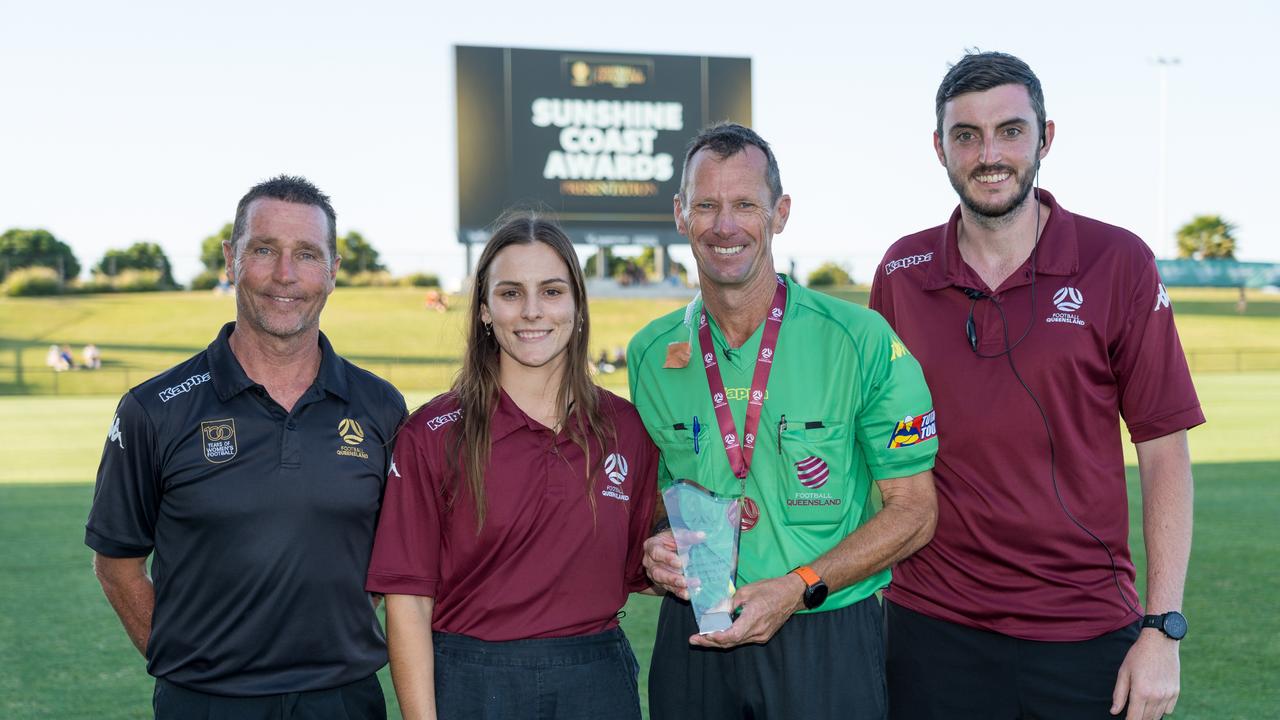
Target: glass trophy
706 527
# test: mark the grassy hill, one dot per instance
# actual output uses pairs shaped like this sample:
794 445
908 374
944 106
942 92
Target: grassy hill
388 331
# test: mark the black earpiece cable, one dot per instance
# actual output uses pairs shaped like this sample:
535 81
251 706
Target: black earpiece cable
972 336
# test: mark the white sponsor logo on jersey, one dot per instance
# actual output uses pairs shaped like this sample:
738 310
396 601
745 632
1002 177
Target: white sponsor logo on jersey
440 421
168 394
1068 299
1162 297
906 262
114 434
615 469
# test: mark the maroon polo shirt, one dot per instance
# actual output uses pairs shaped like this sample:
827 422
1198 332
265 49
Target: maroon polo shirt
1102 346
542 566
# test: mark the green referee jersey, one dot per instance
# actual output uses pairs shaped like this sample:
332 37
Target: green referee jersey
846 404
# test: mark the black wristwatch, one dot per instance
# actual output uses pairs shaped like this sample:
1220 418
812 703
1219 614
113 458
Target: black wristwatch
1172 624
815 591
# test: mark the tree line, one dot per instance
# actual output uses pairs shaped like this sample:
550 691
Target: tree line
35 262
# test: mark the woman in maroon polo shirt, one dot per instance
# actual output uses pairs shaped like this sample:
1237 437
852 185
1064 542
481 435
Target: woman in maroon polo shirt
516 508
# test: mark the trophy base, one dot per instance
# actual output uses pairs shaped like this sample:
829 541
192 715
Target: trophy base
714 622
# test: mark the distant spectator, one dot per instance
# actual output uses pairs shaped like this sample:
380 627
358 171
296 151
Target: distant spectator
91 357
603 366
1242 304
619 360
437 301
66 361
55 360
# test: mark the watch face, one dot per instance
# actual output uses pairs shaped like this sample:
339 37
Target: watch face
1175 626
815 595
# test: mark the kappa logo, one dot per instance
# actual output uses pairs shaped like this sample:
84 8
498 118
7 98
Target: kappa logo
1068 299
615 469
913 430
741 393
440 421
185 386
750 514
709 359
352 434
906 262
114 435
219 439
812 472
897 350
1162 298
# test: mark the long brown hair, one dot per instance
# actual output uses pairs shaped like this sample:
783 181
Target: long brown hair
476 386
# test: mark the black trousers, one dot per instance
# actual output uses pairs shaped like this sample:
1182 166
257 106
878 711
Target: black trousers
938 669
589 677
360 700
818 666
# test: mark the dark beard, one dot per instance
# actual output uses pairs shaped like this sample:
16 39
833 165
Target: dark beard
1024 189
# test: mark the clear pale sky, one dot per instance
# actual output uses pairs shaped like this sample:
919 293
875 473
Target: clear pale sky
147 120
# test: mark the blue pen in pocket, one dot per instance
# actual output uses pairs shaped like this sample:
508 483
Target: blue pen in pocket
696 430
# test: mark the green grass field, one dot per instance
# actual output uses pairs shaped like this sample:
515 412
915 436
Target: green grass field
387 331
65 655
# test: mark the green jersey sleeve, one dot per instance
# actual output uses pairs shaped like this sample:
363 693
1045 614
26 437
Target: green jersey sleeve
896 424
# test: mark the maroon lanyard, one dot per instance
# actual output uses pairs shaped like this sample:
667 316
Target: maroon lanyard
740 453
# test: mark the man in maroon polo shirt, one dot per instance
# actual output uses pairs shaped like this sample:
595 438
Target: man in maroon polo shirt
1037 330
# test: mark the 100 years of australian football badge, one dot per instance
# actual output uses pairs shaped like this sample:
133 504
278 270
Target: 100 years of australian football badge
219 439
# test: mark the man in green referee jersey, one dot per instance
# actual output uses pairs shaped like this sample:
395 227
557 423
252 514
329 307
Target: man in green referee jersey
799 403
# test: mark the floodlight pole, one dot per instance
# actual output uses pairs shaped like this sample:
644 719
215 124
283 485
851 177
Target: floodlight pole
1162 199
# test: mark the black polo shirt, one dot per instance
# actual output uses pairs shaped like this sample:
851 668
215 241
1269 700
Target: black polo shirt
260 522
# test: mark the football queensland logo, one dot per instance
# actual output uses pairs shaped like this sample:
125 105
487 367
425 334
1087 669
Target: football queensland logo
350 431
615 469
1068 299
219 438
352 435
812 472
914 429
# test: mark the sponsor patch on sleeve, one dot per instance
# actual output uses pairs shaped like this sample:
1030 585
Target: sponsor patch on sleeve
914 429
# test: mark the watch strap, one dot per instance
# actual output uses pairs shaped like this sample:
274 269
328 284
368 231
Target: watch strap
807 574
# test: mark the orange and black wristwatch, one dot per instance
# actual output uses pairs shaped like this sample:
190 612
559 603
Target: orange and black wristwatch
815 591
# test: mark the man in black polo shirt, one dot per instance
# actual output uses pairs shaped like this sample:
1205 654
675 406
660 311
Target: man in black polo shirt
252 474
